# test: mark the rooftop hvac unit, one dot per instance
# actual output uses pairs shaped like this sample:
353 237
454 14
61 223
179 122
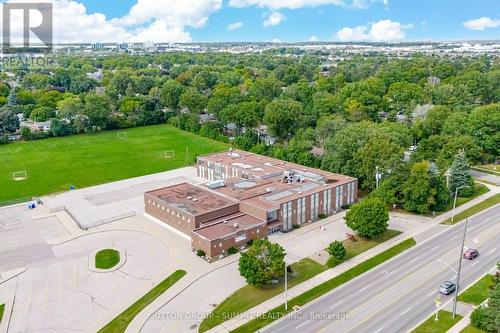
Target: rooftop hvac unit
216 184
235 225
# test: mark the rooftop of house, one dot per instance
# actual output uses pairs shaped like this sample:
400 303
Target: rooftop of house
191 199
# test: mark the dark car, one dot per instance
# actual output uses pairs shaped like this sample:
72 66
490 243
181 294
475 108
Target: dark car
447 288
471 254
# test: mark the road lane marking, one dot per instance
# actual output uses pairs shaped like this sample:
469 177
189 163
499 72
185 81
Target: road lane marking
432 293
304 323
379 330
476 262
434 248
475 240
364 288
414 259
492 250
334 305
405 311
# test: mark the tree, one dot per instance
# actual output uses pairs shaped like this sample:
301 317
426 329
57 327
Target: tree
9 122
170 93
97 108
425 190
404 97
368 218
337 250
42 113
12 99
282 117
460 175
262 263
194 101
487 318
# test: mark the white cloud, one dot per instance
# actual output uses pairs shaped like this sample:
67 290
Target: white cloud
234 26
482 23
159 21
295 4
276 40
383 30
273 19
313 39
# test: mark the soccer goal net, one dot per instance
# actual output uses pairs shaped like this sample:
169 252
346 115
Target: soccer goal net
19 175
169 153
121 135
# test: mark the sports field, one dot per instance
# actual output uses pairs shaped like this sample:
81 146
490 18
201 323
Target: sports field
53 165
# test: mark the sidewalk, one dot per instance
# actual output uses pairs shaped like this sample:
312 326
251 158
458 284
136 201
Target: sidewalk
331 273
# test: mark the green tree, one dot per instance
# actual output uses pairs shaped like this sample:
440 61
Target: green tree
170 93
42 113
9 122
487 318
262 263
460 175
337 250
369 217
282 117
194 101
97 108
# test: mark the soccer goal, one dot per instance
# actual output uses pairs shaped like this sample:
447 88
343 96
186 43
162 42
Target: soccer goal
19 175
121 135
169 153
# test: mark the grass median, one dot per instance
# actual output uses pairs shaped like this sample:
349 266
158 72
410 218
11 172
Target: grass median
324 288
490 202
478 292
444 323
106 259
2 309
120 323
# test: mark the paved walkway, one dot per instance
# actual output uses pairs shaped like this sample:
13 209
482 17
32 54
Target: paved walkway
426 224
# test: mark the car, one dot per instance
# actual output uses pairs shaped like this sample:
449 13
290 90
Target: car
447 287
470 254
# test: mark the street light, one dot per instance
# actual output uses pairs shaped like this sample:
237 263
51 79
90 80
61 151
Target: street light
286 287
455 201
459 270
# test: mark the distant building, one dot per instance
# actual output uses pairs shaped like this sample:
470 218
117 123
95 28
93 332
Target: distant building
248 196
97 46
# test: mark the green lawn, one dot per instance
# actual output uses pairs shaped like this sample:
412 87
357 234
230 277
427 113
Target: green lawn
444 323
278 312
480 189
120 323
362 244
488 168
106 259
471 329
250 296
474 209
478 292
2 309
52 165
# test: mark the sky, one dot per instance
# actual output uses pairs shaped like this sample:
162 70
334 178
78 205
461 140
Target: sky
273 20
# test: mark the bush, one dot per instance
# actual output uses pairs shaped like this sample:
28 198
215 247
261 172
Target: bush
200 253
296 226
332 262
232 250
368 218
478 318
337 250
322 216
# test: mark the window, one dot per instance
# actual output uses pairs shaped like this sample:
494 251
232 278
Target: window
314 206
301 210
272 215
240 238
286 213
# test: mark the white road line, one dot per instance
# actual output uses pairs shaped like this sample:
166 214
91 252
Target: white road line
405 311
364 288
414 259
475 240
390 273
334 305
379 330
432 293
493 250
435 248
475 263
304 323
454 237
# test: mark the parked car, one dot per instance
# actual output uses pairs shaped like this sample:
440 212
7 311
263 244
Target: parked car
447 288
471 254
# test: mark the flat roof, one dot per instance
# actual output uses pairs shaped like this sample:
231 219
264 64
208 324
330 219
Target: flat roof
191 199
227 226
265 186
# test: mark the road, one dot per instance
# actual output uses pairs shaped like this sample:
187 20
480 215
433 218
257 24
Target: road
485 176
397 295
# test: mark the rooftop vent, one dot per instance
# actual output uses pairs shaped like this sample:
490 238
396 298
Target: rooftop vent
195 200
235 225
189 198
269 189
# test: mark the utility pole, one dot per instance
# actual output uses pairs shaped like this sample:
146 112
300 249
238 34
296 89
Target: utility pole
377 176
459 270
286 288
455 202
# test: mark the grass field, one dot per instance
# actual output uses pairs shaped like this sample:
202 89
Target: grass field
120 323
470 329
308 296
106 259
478 292
52 165
444 323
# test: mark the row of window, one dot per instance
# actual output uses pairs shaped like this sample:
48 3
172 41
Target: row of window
169 211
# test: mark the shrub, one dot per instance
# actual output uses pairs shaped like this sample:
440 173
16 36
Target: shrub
478 318
232 250
369 217
200 253
332 262
337 250
322 215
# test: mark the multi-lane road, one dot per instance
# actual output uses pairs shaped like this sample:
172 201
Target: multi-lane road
397 295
